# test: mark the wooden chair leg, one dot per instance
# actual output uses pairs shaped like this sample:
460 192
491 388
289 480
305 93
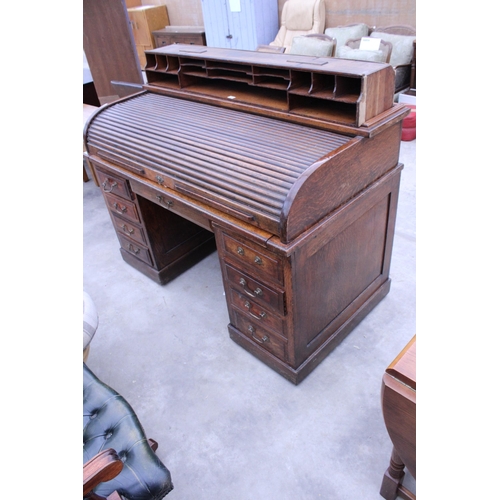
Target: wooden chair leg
391 484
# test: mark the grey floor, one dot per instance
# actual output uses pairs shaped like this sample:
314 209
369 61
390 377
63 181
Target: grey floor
229 427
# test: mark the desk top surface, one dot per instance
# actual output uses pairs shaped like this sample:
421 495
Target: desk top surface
404 366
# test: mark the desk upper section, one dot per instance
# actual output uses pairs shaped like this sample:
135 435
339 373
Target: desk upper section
271 170
329 90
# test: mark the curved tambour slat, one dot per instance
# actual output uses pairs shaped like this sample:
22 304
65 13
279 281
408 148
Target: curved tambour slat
249 159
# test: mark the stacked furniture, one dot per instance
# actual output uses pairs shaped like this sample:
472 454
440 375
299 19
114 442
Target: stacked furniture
403 40
194 35
399 41
290 163
144 20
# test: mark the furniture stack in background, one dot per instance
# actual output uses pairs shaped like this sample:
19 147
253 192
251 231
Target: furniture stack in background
144 20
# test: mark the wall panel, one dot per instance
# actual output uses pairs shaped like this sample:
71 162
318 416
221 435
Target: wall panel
338 12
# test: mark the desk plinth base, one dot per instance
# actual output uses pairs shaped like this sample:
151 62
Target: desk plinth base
296 375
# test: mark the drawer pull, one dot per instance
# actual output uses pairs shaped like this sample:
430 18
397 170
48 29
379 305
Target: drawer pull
133 250
127 230
168 203
262 340
261 315
105 185
256 292
160 180
122 210
258 261
240 251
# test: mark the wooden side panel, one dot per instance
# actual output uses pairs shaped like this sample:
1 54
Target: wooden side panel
338 178
379 100
339 269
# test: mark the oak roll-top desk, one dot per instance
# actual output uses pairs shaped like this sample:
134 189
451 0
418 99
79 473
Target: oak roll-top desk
289 164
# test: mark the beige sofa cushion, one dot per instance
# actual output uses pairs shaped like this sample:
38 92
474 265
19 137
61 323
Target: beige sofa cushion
346 52
344 33
310 46
402 47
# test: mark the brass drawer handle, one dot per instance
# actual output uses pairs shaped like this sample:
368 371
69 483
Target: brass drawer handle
241 251
168 203
256 292
126 229
261 315
105 186
122 210
262 340
133 250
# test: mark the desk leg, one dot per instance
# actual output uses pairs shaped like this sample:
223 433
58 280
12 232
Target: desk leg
391 484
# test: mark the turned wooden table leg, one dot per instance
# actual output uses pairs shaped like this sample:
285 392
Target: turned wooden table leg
393 477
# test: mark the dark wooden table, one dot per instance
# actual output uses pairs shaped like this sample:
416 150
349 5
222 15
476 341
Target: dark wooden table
399 404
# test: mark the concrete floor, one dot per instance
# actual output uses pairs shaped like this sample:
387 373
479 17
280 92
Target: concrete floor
229 427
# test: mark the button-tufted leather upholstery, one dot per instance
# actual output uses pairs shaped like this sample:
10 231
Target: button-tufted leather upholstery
110 422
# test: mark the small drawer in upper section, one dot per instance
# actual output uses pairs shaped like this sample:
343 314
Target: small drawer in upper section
256 260
111 183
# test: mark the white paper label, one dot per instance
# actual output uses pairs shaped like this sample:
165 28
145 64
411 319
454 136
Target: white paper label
234 6
369 43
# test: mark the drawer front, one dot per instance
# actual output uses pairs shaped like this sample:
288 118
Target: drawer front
255 290
135 249
163 199
255 259
123 208
255 312
260 336
187 38
130 230
112 184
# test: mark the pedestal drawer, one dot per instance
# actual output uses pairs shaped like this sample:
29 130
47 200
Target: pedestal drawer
135 249
270 341
256 290
113 184
123 208
255 259
128 229
255 312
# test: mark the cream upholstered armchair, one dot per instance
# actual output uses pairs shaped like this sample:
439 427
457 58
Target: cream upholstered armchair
300 17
